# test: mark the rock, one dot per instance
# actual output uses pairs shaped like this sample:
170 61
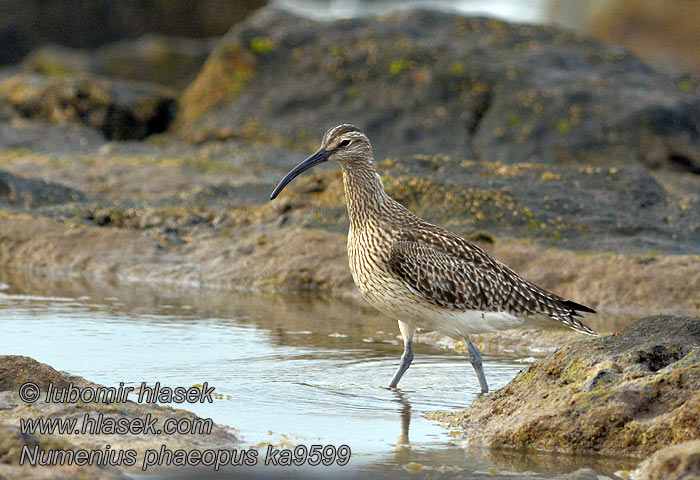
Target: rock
580 207
582 474
677 462
638 231
22 135
632 393
31 193
664 34
11 443
57 60
120 110
31 23
169 61
17 370
435 82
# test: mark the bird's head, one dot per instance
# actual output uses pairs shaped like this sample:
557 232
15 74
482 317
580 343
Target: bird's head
345 144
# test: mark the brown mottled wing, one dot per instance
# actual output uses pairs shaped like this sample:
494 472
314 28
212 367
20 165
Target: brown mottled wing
472 280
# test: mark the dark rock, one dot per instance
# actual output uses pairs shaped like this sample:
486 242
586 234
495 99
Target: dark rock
102 219
596 208
120 110
429 82
169 61
28 24
31 193
649 399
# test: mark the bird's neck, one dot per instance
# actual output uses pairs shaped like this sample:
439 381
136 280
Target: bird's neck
364 193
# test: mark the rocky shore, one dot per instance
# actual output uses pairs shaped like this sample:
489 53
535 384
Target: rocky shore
610 222
680 462
632 393
17 370
570 160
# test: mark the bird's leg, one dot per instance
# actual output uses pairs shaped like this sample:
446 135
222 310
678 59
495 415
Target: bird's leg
475 359
407 332
406 360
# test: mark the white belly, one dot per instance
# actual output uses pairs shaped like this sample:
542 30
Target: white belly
460 323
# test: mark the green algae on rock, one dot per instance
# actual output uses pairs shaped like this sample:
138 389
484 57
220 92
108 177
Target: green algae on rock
631 393
121 110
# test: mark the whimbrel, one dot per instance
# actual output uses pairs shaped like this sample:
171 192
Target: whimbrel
420 274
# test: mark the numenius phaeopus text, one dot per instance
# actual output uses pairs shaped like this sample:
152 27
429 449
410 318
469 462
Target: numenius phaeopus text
420 274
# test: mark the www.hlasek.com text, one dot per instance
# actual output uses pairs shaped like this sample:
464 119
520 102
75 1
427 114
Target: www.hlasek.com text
315 455
105 425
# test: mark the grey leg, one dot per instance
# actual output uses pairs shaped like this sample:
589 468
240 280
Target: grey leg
406 360
407 357
475 359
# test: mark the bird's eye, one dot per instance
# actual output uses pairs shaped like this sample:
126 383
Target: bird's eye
344 143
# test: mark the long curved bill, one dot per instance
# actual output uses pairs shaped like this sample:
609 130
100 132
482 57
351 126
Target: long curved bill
319 157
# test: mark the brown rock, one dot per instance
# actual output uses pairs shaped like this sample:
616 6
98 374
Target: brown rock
16 370
677 462
627 394
11 444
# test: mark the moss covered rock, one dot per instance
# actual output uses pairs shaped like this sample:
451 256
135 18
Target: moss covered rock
434 82
677 462
631 393
16 370
120 110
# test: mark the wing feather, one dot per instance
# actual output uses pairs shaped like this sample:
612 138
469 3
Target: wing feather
455 274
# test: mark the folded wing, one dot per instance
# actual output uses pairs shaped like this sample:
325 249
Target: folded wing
455 274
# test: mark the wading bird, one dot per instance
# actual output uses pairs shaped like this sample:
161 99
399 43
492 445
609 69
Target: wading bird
420 274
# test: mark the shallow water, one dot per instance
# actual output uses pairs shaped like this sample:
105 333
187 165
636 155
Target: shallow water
292 371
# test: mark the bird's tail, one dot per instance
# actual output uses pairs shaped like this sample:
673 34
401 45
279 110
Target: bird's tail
574 323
